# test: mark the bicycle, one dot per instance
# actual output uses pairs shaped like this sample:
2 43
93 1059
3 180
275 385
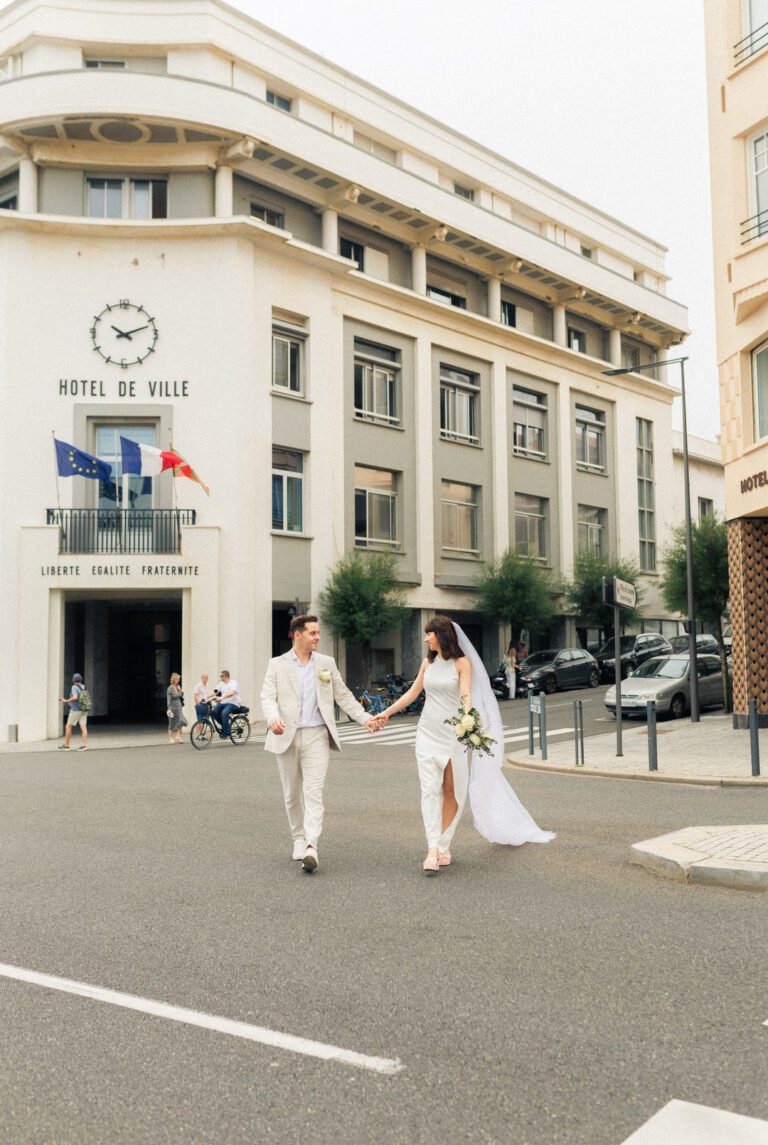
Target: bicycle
203 731
373 702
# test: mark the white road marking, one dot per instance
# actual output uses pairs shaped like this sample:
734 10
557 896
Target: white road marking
205 1021
405 736
684 1123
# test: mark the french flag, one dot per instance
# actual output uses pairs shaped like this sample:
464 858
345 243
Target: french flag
145 460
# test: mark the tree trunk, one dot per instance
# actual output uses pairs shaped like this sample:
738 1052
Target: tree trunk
368 665
727 684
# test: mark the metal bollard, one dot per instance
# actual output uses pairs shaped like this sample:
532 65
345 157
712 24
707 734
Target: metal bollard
530 723
578 727
754 742
653 753
543 724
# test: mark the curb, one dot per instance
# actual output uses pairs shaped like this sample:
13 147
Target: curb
668 857
525 764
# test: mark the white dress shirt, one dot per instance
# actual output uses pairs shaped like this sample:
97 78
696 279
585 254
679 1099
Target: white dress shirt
309 716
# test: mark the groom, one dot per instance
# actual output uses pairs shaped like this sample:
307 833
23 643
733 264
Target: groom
297 699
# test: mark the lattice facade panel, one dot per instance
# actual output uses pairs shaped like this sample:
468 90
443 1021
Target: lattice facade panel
748 568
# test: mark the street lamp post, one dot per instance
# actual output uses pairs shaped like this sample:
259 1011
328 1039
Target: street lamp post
693 673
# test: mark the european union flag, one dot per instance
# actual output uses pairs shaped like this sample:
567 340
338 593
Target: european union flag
74 462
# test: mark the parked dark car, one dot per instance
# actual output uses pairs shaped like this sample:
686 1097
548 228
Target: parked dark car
634 650
705 642
559 668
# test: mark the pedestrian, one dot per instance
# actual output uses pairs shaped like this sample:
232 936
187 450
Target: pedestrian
228 694
79 703
510 669
297 700
200 695
454 678
175 712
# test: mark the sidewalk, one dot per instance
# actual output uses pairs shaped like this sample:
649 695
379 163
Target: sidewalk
710 753
102 738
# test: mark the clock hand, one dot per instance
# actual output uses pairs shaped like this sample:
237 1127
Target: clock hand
136 330
122 333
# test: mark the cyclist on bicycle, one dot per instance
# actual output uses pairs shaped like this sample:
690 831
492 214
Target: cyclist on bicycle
228 694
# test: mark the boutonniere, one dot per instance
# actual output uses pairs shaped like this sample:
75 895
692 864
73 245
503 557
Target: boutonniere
324 676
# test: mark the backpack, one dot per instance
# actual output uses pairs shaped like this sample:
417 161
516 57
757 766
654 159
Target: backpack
84 701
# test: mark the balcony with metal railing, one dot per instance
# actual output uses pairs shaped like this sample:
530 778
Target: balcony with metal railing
120 530
750 45
754 227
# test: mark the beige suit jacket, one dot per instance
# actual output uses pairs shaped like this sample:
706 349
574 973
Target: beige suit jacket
280 700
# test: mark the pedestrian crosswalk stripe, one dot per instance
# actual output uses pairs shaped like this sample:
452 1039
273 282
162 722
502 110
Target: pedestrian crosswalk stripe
684 1123
354 734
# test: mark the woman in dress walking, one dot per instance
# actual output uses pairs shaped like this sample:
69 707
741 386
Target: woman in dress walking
175 711
453 676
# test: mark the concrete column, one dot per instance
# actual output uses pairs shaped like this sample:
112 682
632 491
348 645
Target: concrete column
427 528
419 269
501 459
566 507
747 554
223 192
494 299
49 721
614 346
27 185
330 230
559 330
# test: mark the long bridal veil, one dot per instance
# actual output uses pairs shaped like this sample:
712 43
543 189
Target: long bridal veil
498 814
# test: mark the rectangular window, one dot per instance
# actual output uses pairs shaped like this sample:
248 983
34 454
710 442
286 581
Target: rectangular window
529 412
459 508
646 495
375 507
577 340
127 198
759 222
586 251
130 491
464 192
287 491
531 526
447 297
106 65
508 313
590 439
592 530
9 203
286 361
760 390
376 383
279 101
459 405
268 215
630 356
706 508
355 251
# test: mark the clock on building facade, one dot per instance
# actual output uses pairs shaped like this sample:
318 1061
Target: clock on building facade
124 334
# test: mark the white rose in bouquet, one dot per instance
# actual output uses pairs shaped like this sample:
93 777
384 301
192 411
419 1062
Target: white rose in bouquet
468 723
475 739
458 730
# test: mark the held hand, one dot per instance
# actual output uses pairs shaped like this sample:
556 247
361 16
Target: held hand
372 725
277 727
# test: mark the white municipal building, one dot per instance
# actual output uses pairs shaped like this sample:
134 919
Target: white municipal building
361 328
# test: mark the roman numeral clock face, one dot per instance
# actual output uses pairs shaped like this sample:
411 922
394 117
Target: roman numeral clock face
124 334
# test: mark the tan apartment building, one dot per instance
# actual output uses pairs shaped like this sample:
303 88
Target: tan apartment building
737 67
363 329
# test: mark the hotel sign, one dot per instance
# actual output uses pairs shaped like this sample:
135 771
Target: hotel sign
754 481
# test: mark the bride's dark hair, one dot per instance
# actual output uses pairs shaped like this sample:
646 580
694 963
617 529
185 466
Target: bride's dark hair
442 626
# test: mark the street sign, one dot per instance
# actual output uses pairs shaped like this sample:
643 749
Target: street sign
624 593
535 702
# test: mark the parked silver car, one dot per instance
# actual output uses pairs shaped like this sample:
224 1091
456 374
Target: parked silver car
666 680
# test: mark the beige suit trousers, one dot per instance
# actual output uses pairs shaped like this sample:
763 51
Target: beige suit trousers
303 767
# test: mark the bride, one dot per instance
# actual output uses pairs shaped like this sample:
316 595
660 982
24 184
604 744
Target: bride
453 676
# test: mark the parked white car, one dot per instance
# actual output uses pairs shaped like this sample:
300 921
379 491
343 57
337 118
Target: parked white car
666 680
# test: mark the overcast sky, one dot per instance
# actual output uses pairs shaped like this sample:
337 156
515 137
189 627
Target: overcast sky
605 98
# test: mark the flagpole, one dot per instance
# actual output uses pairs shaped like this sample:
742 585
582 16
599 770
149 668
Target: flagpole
56 467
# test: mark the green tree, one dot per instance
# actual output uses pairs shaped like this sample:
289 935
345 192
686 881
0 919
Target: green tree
710 578
516 591
584 594
362 600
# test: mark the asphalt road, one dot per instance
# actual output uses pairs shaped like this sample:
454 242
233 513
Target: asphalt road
547 995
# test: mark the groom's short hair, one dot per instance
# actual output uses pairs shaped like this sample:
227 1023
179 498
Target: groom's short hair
299 623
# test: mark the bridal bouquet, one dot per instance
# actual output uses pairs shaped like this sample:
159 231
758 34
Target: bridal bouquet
466 727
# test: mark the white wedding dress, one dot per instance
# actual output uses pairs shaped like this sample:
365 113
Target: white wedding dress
498 814
436 745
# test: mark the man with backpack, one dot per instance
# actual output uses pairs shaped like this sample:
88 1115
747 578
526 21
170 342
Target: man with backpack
79 706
